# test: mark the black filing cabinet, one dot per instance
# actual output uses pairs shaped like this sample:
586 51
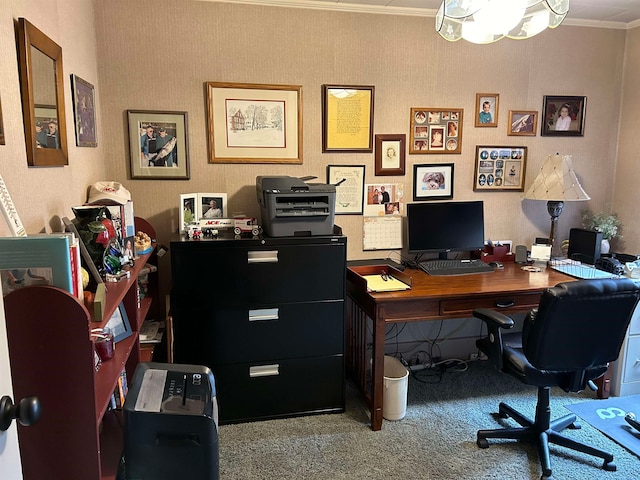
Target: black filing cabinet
266 315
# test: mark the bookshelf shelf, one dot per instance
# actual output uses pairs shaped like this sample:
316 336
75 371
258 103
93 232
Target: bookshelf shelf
51 356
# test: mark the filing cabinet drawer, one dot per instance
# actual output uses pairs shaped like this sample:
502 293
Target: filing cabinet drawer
258 390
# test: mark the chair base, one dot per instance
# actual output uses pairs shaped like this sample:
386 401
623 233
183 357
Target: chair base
542 432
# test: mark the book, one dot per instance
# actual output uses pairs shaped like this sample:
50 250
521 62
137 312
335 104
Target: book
36 260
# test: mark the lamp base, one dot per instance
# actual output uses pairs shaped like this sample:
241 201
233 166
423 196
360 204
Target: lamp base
554 207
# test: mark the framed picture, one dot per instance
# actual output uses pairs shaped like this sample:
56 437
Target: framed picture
119 324
433 182
1 126
254 123
390 154
211 205
187 209
435 130
500 169
158 145
487 109
523 123
349 182
347 118
563 116
46 126
84 112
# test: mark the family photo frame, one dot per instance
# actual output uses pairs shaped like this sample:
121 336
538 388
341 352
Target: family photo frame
500 169
158 145
390 154
84 112
119 324
433 182
487 109
435 130
349 182
347 118
254 123
522 123
563 116
201 206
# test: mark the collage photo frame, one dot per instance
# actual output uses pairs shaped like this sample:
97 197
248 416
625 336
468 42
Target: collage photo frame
435 130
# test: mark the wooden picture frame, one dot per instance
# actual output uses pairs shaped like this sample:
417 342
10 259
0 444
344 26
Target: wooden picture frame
1 126
563 116
119 324
435 130
158 145
500 169
84 112
254 123
390 154
349 182
347 118
487 109
433 182
522 123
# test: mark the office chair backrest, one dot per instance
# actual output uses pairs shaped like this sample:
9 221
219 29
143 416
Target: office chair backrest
580 325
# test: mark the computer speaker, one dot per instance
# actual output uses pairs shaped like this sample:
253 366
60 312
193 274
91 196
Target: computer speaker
521 254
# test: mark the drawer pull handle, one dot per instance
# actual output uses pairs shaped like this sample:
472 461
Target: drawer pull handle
263 314
263 256
264 371
505 303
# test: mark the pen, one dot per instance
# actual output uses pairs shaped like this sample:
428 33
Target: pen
384 276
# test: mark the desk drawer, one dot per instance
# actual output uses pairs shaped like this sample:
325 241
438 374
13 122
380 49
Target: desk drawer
464 306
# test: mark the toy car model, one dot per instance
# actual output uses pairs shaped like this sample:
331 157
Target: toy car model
246 225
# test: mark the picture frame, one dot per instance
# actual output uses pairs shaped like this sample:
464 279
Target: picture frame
84 112
522 123
555 123
187 210
384 199
211 205
435 130
500 169
357 104
349 182
390 154
152 155
119 324
487 109
254 123
433 181
1 126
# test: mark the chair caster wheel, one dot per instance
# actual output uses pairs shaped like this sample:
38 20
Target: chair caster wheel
483 443
546 477
609 466
574 426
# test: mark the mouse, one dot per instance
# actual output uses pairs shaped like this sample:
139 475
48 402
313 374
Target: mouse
497 265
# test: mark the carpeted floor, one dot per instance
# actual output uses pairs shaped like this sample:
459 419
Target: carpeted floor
435 440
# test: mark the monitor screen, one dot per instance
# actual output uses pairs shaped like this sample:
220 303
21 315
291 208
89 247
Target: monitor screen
445 227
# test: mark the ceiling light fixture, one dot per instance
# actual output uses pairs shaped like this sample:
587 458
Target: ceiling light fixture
487 21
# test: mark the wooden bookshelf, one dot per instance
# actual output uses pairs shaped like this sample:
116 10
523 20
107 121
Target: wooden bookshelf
51 356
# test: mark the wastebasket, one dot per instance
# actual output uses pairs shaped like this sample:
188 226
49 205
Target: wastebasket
396 383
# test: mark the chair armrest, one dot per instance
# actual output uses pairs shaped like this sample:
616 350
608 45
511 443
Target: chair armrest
493 318
492 345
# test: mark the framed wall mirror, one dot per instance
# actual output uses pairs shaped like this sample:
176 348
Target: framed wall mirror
42 88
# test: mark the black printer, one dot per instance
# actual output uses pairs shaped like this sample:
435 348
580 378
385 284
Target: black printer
292 207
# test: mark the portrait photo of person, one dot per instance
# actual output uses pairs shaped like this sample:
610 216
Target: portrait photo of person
486 110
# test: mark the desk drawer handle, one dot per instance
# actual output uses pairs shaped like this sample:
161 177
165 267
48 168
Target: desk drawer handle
264 371
505 303
263 314
263 256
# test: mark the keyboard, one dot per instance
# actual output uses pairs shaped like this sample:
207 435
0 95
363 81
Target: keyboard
454 267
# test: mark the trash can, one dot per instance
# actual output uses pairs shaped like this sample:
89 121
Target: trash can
396 383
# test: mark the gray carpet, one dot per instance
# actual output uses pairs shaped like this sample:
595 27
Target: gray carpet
435 440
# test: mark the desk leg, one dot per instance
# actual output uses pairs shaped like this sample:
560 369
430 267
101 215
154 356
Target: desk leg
377 371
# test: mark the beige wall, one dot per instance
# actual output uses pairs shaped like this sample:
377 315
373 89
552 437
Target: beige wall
43 195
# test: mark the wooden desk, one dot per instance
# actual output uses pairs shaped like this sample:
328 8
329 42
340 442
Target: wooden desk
430 298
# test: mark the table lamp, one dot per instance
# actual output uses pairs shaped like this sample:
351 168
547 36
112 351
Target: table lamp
556 183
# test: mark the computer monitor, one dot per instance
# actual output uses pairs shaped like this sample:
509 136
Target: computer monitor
444 227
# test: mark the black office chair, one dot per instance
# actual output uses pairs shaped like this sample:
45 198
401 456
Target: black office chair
567 342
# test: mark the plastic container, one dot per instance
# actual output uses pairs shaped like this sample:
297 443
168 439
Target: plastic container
396 384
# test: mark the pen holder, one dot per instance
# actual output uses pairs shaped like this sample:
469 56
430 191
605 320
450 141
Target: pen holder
104 342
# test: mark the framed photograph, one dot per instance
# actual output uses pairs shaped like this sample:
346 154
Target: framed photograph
383 199
522 123
119 324
211 205
84 112
158 145
347 118
563 116
187 209
1 126
254 123
435 130
433 182
500 169
390 154
349 182
487 109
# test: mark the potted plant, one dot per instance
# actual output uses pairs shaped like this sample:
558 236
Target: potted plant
606 222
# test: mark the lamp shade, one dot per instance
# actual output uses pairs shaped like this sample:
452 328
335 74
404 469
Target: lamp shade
557 181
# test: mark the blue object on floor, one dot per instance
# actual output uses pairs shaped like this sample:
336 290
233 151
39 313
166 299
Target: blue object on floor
608 417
